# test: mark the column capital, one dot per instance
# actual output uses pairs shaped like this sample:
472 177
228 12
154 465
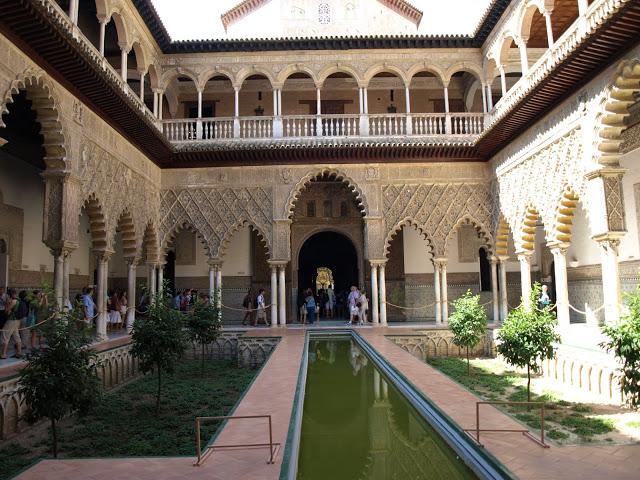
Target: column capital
441 261
558 247
132 261
277 263
376 262
503 258
524 255
493 260
214 263
609 239
103 254
124 47
607 171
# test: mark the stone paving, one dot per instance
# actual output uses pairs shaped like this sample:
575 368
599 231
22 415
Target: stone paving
272 393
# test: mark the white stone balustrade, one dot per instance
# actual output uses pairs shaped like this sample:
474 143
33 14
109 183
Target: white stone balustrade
308 126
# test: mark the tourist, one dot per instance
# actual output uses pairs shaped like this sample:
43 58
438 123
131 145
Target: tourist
330 303
88 305
177 301
115 307
38 312
310 305
544 299
123 305
262 310
247 304
4 299
364 306
352 301
12 326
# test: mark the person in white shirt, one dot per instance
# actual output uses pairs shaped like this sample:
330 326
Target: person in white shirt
262 309
352 301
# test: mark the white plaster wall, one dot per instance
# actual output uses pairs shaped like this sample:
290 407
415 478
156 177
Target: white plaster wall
583 249
237 258
630 243
22 187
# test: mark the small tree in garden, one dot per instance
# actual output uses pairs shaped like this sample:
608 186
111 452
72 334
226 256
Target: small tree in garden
527 336
204 326
60 377
468 323
624 341
159 340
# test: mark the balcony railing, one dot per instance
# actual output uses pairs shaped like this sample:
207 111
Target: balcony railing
319 126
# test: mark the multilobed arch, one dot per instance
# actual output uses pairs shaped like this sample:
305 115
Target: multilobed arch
502 237
565 213
97 224
127 230
333 175
483 232
408 222
226 239
171 235
611 122
40 92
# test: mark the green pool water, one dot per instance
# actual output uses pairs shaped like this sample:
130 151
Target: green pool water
356 425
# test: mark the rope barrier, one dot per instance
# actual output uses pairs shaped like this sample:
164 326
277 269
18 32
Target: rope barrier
246 309
411 308
585 313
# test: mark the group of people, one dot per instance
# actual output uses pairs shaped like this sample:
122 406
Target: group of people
185 300
20 315
255 308
331 305
116 305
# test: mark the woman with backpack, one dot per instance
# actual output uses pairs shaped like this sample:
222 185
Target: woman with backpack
17 310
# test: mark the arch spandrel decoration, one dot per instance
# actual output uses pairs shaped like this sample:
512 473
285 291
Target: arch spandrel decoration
540 181
436 208
215 212
119 189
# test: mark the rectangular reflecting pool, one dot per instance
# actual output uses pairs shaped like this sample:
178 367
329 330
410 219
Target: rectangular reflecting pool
357 425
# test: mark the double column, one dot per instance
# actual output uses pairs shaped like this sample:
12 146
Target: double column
132 267
524 257
278 293
378 293
441 290
61 270
215 283
559 252
102 263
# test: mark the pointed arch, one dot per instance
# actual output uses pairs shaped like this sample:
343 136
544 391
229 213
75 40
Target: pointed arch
40 92
610 122
331 173
226 239
408 222
528 229
503 231
127 230
97 223
565 212
178 227
481 229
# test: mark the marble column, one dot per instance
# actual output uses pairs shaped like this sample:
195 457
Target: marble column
493 262
132 264
524 61
561 283
142 75
58 277
73 11
212 284
489 98
525 277
123 62
503 81
547 20
445 296
374 295
219 286
160 287
436 286
151 280
101 294
504 302
610 278
103 25
484 98
383 295
282 305
66 271
273 295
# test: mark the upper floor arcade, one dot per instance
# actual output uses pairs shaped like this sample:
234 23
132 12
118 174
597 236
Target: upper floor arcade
446 91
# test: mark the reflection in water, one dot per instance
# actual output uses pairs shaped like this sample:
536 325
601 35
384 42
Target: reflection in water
357 426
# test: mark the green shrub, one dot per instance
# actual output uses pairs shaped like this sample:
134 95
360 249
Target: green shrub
468 323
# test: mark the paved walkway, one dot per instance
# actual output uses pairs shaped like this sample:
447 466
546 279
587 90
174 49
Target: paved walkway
272 393
523 457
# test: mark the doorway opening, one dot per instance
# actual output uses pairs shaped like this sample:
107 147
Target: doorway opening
327 257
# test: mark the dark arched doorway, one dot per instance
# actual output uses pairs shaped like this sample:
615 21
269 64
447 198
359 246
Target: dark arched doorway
331 250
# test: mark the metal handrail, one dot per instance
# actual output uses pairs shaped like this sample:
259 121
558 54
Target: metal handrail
202 457
540 441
